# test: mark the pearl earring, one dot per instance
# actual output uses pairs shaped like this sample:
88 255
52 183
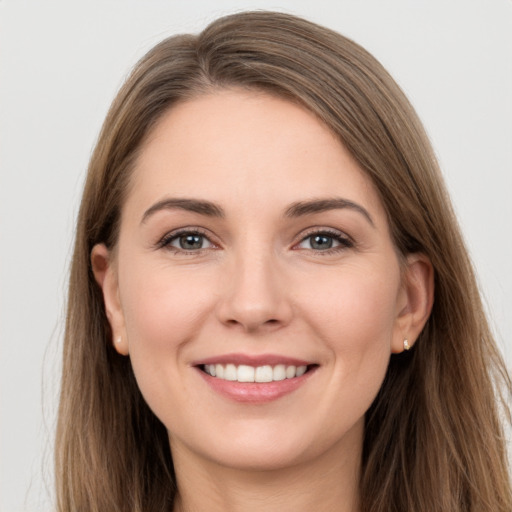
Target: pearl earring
406 344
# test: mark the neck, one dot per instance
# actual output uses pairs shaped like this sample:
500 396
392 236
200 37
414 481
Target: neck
328 483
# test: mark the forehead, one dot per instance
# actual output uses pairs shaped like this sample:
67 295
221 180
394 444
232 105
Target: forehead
234 145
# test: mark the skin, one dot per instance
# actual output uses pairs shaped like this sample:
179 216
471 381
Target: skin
259 286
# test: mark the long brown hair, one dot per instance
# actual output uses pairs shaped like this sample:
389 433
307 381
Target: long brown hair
434 440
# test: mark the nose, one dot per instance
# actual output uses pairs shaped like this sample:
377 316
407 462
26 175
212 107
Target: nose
255 296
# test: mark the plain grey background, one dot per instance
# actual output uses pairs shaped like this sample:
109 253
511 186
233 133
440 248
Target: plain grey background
61 63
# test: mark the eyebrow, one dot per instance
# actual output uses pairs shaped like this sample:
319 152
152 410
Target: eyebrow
298 209
191 205
313 206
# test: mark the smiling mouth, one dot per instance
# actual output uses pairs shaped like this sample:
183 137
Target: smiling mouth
258 374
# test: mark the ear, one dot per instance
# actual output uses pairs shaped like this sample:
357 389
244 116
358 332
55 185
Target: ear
105 273
415 300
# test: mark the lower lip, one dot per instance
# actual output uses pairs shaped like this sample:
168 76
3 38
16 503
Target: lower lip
255 392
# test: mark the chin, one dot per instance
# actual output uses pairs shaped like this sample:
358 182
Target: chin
254 447
259 457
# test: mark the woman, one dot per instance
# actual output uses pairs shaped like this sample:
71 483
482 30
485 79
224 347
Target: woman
270 301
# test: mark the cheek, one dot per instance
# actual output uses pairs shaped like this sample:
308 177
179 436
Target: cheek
361 301
368 311
163 310
355 317
162 306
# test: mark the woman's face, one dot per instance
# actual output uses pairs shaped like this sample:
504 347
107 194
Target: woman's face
252 247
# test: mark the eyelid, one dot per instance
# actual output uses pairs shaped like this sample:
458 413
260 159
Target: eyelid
165 241
345 240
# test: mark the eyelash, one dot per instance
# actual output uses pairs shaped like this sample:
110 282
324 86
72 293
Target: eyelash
166 240
345 242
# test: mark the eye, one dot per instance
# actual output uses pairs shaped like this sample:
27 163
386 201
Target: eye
186 241
325 241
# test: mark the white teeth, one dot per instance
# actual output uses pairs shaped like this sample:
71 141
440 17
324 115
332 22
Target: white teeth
301 370
230 372
290 372
279 372
245 373
263 374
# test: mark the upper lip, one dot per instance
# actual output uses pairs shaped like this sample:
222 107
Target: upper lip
252 360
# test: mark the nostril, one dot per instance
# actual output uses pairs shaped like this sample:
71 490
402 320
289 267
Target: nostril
253 325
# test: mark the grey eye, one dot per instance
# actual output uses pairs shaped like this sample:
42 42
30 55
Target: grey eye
324 241
190 242
321 242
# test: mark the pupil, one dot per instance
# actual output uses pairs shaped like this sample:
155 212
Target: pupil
191 242
321 242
